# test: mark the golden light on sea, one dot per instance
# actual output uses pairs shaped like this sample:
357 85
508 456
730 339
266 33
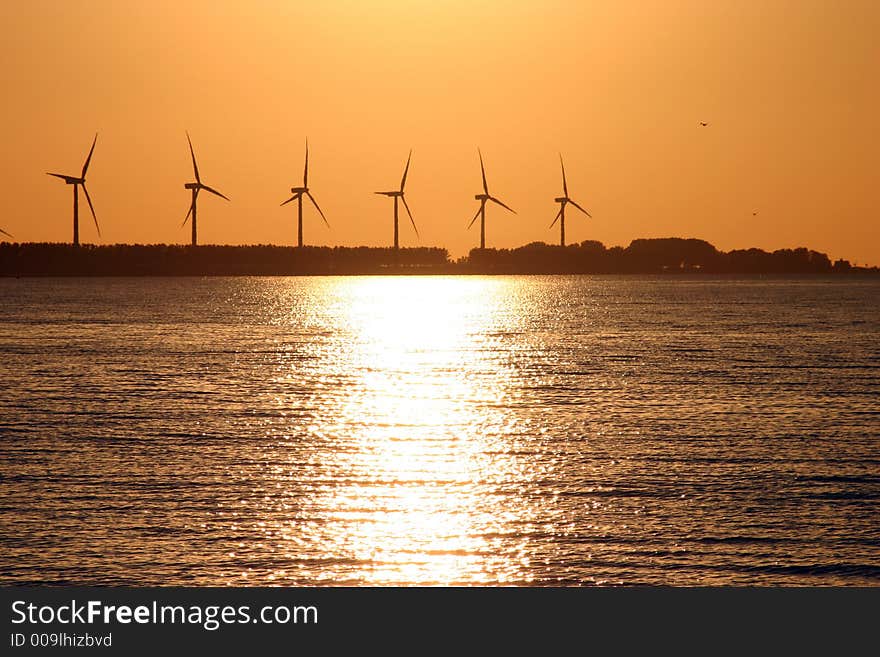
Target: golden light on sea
416 446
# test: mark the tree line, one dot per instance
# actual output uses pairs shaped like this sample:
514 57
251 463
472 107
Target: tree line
642 256
651 256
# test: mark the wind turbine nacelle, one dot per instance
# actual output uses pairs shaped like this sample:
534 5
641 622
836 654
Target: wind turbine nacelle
481 197
191 186
298 190
561 199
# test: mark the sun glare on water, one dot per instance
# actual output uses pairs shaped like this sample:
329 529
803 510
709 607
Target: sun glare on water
422 418
414 441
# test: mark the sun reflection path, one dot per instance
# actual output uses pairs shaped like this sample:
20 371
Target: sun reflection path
416 462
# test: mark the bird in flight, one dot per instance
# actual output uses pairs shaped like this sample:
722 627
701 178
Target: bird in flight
703 123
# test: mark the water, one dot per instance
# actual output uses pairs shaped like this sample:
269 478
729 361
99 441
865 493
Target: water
440 430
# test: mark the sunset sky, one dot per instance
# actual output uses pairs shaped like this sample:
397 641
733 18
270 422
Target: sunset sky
789 88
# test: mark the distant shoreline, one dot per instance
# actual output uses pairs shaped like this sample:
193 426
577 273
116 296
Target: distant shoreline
663 256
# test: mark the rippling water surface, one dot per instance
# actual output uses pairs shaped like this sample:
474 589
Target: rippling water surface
440 430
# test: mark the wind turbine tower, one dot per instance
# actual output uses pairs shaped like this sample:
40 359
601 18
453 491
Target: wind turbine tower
398 194
195 188
297 196
77 182
483 198
563 201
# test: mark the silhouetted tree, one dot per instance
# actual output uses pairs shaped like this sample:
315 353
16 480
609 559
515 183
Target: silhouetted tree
642 256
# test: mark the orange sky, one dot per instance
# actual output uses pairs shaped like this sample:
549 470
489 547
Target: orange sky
789 87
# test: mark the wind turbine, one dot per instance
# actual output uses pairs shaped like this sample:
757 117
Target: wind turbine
398 194
482 198
76 182
563 200
298 197
196 187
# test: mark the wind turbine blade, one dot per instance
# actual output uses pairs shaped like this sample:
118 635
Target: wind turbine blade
558 214
580 208
5 233
214 191
58 175
483 171
292 198
405 171
315 203
189 212
492 198
92 208
475 217
306 170
564 184
413 221
192 152
89 158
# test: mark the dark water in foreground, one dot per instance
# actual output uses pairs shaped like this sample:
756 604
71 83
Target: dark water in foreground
431 430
